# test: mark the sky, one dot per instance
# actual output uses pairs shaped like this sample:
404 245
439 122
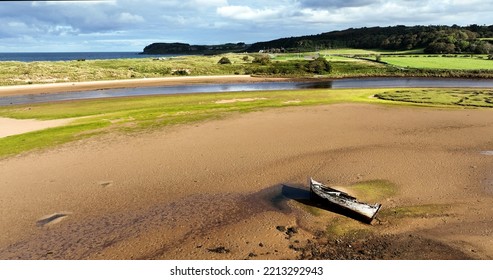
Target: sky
130 25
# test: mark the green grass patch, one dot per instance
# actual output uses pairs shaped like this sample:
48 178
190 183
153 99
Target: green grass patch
461 62
358 68
450 97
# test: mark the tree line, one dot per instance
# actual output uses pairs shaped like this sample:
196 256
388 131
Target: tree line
436 39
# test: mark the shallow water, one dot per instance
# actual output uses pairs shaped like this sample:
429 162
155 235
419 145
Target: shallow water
264 86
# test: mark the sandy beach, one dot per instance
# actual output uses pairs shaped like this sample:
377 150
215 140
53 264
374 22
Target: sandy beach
218 189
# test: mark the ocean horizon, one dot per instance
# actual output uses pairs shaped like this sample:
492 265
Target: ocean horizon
68 56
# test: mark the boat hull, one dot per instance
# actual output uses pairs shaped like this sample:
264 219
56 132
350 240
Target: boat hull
323 193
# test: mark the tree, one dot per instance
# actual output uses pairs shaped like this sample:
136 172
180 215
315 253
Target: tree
483 48
319 66
224 60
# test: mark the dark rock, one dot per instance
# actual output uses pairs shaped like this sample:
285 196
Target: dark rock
219 250
281 228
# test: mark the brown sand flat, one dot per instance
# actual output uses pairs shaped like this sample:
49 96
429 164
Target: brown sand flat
10 127
214 190
148 82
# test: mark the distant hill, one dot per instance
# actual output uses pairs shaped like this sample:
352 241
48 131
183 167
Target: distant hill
182 48
433 39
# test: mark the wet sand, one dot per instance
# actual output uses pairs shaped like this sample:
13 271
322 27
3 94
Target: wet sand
217 190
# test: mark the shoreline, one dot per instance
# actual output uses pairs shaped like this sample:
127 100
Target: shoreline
130 83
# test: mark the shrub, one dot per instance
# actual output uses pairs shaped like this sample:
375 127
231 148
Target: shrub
319 66
224 60
246 58
262 59
181 72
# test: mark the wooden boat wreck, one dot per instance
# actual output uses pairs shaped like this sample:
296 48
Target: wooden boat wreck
322 193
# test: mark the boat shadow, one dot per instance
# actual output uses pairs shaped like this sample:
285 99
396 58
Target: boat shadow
303 196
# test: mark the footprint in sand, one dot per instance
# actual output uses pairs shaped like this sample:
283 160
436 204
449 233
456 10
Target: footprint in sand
105 183
52 219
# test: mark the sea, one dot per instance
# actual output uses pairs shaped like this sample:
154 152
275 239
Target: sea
67 56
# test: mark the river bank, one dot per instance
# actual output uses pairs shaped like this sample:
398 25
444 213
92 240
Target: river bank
129 83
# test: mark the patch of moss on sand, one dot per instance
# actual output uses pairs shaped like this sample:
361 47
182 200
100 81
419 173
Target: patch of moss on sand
373 191
346 227
448 97
415 211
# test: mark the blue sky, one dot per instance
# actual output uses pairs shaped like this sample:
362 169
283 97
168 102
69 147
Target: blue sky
130 25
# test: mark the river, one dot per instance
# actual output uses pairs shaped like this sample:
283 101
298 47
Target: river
264 86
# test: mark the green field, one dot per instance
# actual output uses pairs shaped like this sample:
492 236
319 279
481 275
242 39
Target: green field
440 62
143 114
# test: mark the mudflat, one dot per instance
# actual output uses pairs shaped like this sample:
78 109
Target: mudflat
234 188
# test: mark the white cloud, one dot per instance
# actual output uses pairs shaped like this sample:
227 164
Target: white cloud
247 13
129 18
62 30
208 3
322 16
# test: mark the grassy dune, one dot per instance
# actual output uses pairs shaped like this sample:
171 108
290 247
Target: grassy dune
18 73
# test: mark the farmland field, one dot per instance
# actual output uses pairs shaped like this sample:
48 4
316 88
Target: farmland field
440 62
